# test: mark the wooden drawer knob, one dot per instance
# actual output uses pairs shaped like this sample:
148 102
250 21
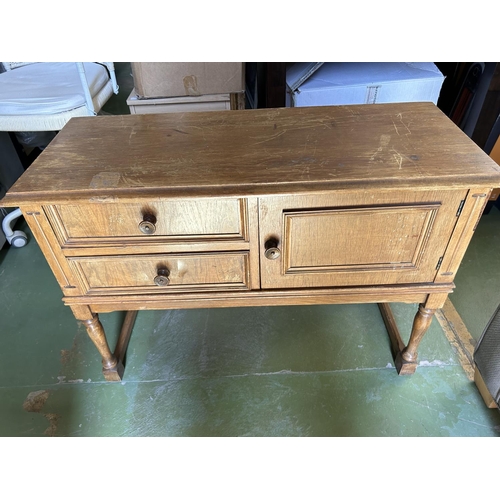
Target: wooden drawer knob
162 278
272 251
147 225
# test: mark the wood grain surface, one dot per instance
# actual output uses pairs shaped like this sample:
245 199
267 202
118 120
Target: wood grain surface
255 152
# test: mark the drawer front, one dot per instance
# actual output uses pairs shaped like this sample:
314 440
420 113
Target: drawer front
355 239
165 220
162 273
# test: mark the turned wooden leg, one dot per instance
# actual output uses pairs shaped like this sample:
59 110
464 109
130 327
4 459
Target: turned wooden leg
407 362
405 358
112 363
112 368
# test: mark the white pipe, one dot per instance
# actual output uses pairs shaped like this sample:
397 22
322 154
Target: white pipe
15 238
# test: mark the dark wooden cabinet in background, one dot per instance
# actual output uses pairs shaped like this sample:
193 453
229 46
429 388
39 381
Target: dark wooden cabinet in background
266 84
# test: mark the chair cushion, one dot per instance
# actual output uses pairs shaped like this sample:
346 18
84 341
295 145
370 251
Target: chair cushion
48 88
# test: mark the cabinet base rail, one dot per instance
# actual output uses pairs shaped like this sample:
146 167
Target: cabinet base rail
405 356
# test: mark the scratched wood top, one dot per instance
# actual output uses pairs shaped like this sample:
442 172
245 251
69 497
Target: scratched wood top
257 152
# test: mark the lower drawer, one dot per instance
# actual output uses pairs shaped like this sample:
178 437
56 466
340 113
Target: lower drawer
162 273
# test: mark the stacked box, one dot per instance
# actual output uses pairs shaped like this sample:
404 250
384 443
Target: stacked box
325 84
178 87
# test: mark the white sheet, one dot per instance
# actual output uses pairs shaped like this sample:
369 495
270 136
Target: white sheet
48 88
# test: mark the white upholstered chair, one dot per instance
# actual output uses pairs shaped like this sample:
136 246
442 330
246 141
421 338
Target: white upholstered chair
43 97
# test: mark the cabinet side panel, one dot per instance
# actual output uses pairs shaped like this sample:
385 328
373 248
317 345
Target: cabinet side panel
44 235
472 210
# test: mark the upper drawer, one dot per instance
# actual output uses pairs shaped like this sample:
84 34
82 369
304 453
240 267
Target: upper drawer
169 220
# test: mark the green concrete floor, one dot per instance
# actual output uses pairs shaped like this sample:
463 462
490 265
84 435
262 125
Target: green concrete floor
268 371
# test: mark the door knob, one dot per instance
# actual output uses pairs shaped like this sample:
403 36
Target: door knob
147 225
272 251
162 278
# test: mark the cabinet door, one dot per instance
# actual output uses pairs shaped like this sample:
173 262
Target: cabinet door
362 238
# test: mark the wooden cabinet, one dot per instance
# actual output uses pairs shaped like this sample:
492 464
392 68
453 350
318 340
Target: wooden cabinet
326 205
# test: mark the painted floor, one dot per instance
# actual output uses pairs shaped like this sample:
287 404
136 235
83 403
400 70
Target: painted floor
268 371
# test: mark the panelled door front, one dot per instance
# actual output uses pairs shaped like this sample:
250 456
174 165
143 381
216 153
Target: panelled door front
355 238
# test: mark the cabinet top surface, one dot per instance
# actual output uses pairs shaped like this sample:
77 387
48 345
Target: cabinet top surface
252 152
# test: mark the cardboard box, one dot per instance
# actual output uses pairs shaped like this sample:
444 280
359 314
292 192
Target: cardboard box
212 102
322 84
163 79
